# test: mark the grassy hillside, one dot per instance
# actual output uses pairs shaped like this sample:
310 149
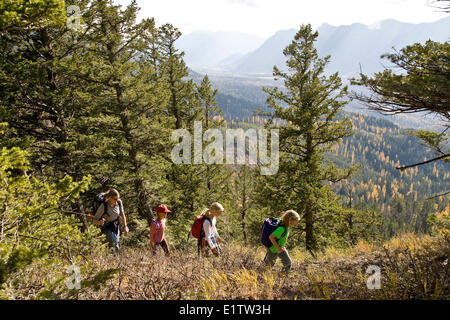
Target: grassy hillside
411 268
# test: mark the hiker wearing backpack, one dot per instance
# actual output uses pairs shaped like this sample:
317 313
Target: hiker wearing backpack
107 217
204 229
274 236
157 230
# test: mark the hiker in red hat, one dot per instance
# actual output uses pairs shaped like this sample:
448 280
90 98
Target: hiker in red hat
157 230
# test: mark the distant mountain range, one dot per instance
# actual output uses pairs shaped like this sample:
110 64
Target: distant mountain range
206 50
240 65
351 47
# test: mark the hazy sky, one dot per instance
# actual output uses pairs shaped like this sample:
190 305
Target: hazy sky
265 17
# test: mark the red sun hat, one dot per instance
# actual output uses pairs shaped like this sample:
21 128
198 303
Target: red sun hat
162 208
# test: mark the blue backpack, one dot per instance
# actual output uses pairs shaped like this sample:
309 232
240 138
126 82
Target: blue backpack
269 226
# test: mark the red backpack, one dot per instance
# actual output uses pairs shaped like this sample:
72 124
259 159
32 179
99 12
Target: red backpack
197 230
197 227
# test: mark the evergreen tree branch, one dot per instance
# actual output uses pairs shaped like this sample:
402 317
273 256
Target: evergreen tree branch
424 162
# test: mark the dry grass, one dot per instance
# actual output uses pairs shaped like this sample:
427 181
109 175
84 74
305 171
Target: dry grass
412 267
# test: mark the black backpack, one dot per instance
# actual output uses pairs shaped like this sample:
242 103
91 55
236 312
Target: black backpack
98 200
269 226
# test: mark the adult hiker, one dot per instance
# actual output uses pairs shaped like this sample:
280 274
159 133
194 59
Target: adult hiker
107 216
157 229
278 238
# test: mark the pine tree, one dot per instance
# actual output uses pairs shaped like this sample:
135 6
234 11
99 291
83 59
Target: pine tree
33 227
215 176
127 104
310 106
184 109
243 192
182 104
31 15
423 87
39 95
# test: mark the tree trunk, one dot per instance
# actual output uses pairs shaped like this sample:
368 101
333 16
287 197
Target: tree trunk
309 234
244 227
309 231
244 211
77 206
144 209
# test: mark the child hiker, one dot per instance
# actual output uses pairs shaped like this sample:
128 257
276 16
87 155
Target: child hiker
278 239
107 216
157 230
210 236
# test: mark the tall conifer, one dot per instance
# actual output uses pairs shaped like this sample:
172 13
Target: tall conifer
309 105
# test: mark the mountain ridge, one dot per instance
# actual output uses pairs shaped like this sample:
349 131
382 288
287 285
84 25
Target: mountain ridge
204 49
371 42
349 46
